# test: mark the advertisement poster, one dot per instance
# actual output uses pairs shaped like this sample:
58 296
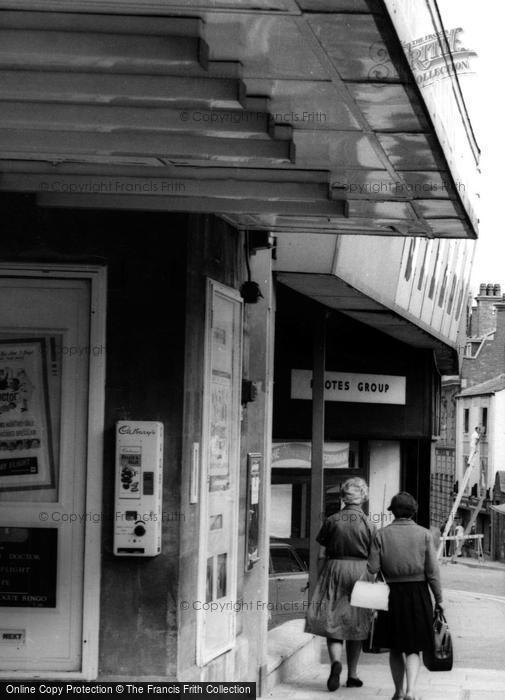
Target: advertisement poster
220 428
26 454
28 558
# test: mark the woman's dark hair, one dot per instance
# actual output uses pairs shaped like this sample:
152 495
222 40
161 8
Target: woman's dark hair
403 505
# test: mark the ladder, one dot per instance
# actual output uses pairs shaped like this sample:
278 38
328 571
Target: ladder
472 461
475 512
473 520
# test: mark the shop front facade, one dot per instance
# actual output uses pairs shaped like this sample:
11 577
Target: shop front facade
379 422
118 326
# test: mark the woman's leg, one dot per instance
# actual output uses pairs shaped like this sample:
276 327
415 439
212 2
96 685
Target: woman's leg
412 665
335 647
335 652
397 666
353 651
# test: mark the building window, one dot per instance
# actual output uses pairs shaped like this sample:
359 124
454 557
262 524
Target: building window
483 420
466 420
473 347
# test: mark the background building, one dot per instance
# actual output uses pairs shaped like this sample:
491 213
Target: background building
443 475
473 399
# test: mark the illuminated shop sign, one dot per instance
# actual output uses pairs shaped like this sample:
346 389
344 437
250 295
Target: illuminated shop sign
351 387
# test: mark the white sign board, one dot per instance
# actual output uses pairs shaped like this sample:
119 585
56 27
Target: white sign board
351 387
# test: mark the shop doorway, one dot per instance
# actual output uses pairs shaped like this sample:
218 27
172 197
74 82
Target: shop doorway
50 360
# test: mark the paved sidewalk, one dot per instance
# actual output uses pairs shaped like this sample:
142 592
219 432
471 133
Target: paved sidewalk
477 623
458 684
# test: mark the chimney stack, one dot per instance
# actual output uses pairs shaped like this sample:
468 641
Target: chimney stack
484 315
499 337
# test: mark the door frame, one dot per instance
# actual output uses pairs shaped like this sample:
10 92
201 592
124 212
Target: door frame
97 276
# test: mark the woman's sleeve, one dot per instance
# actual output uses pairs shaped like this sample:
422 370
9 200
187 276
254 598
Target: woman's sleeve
323 534
374 558
432 569
372 529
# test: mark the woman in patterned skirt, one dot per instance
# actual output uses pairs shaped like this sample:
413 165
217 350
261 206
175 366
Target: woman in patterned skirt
345 540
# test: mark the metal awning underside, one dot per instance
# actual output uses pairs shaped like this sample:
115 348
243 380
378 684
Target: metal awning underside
274 114
337 294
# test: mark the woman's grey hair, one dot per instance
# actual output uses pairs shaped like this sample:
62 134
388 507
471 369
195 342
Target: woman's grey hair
354 491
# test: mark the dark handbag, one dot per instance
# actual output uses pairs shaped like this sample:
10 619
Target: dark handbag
369 646
439 658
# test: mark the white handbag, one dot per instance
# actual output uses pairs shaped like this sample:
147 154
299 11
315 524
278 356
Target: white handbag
370 594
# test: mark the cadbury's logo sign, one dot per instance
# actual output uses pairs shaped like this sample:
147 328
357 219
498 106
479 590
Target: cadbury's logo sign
126 430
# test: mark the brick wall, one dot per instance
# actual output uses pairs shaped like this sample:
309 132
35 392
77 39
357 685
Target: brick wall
488 315
491 359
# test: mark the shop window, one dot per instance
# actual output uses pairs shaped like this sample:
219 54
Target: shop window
466 420
281 508
290 489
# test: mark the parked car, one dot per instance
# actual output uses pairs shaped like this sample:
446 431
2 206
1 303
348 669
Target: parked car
288 584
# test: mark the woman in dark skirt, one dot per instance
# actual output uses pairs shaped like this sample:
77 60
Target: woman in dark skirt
405 554
345 539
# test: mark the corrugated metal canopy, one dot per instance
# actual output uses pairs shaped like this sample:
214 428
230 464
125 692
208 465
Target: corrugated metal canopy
337 294
274 114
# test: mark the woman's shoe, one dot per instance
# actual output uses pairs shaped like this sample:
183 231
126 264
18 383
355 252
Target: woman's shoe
398 696
354 682
334 678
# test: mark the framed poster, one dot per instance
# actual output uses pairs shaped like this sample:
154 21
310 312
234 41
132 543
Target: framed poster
28 557
220 430
220 468
26 434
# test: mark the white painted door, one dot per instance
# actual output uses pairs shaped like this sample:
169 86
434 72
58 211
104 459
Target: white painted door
384 479
44 361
